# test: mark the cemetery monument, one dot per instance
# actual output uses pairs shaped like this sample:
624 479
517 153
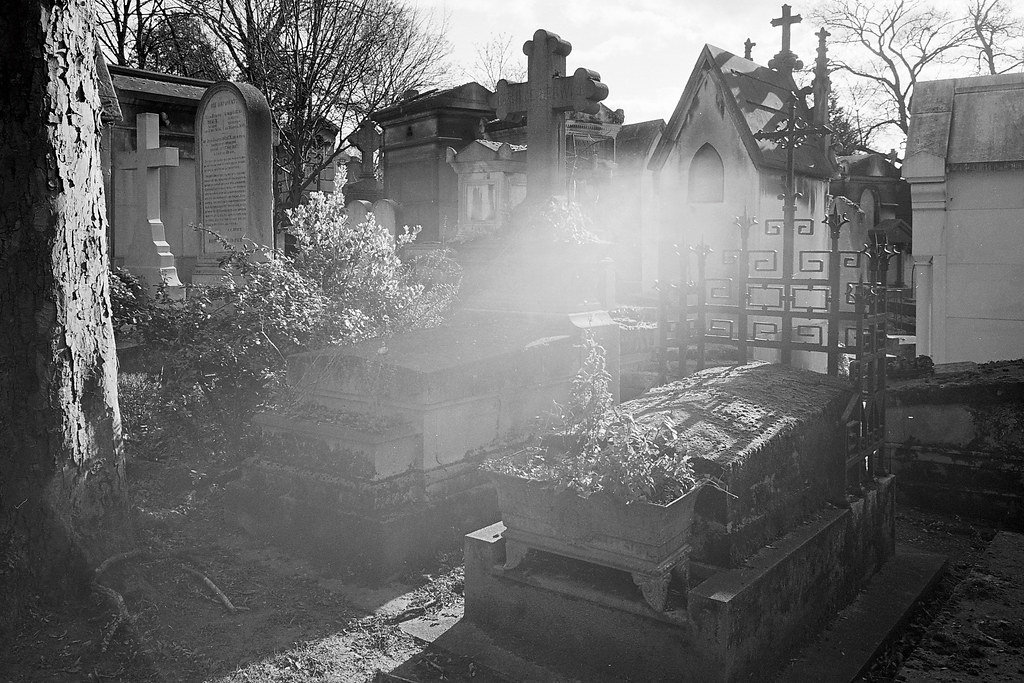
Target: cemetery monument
234 176
150 256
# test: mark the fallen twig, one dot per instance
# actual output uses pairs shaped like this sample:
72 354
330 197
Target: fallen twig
122 613
213 587
411 613
114 559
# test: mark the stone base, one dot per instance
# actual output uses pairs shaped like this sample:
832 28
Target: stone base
728 625
378 527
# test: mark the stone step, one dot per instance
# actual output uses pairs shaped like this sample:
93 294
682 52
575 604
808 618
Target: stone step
860 632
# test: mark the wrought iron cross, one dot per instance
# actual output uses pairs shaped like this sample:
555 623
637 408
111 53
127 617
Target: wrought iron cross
785 21
544 98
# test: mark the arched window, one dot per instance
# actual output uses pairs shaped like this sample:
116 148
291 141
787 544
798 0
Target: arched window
707 176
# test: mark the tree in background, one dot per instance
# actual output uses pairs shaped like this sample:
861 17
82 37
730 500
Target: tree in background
324 66
496 59
181 45
160 35
891 44
848 136
886 46
997 36
62 486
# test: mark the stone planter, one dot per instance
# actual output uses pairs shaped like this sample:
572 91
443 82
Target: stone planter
646 539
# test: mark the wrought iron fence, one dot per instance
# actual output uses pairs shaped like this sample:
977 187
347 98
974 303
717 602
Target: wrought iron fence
829 303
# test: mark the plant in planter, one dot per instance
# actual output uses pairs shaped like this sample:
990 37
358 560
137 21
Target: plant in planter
604 486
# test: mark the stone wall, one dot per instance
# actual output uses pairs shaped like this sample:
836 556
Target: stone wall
956 441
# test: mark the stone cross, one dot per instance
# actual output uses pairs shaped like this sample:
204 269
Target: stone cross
748 48
367 139
545 98
151 255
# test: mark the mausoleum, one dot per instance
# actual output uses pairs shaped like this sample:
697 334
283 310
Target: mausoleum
965 166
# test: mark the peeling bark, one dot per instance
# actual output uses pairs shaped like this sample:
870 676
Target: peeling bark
62 485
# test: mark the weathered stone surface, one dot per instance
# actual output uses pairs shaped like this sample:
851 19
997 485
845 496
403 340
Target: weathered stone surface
770 434
738 624
234 167
956 441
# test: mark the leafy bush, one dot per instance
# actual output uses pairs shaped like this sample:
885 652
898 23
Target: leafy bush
592 446
129 301
227 344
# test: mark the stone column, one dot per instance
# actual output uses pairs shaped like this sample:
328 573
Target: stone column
923 296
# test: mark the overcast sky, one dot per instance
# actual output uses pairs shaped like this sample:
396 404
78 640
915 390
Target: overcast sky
643 49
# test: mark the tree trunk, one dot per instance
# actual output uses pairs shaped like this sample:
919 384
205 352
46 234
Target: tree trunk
62 484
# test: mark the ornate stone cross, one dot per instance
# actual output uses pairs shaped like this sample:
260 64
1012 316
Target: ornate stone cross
367 139
748 48
785 60
545 98
151 255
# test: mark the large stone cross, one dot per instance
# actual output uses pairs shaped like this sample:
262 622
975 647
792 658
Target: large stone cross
545 98
151 255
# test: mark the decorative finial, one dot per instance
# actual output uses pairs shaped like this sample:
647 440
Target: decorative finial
822 48
748 46
785 61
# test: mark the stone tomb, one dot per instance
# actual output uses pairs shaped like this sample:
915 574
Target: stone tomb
234 173
774 549
388 471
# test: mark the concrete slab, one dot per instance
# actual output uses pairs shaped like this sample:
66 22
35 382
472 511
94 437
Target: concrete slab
860 631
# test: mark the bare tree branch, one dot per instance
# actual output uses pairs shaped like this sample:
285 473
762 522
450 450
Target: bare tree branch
997 36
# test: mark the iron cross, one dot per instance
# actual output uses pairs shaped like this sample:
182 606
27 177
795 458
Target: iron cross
785 21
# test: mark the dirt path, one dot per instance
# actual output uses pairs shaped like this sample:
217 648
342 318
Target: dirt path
297 622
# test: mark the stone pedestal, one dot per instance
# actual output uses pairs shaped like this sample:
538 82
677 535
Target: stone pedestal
426 408
727 625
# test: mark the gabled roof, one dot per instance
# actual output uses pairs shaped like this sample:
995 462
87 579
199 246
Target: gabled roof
756 99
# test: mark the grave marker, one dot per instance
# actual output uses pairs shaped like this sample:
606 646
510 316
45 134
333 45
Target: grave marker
545 98
234 176
386 213
151 256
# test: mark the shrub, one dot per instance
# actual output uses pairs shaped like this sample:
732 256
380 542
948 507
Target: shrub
592 446
228 343
129 301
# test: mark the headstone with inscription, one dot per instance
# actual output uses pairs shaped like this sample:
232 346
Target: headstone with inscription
234 177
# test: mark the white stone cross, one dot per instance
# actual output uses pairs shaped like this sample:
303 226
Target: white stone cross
150 254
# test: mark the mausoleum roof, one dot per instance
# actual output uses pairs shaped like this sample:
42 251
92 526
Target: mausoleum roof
158 84
975 121
470 95
637 138
757 99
